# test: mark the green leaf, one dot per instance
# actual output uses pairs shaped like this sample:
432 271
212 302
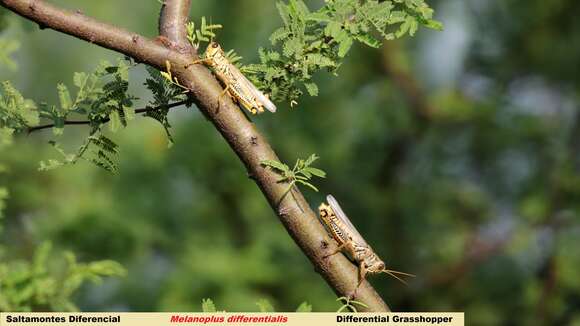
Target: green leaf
311 159
3 197
80 79
115 123
16 112
344 47
49 165
64 97
276 165
436 25
106 268
368 40
315 171
265 306
41 257
309 185
207 305
311 88
304 307
7 49
204 33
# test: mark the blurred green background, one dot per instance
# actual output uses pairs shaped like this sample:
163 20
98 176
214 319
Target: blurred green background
455 153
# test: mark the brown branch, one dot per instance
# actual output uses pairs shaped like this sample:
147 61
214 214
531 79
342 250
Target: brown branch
172 20
242 136
88 29
87 122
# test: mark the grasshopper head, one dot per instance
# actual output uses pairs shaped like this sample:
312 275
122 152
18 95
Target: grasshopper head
374 264
213 49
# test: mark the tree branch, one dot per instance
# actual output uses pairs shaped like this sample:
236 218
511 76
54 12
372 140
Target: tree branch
172 20
86 122
80 26
242 136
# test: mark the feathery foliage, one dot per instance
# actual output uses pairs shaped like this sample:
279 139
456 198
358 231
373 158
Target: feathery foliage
205 34
164 93
311 41
301 173
46 281
202 34
207 305
304 307
43 283
16 112
308 42
7 48
10 98
101 96
265 305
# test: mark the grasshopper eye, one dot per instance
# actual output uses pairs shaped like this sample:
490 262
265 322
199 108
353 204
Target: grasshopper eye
214 45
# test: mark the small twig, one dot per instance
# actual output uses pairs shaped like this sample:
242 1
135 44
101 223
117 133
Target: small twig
172 20
86 122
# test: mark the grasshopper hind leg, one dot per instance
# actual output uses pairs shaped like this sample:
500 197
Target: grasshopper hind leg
222 94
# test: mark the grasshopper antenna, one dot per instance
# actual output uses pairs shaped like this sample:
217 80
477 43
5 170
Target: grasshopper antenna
394 273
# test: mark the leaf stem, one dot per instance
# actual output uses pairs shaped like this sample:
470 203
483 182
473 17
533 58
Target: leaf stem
87 122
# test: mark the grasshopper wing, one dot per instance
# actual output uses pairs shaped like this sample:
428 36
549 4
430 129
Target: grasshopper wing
256 92
342 216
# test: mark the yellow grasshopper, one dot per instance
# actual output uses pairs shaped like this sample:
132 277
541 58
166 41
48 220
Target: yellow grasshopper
236 84
350 240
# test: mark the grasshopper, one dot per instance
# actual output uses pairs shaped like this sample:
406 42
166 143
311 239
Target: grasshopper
236 84
350 240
